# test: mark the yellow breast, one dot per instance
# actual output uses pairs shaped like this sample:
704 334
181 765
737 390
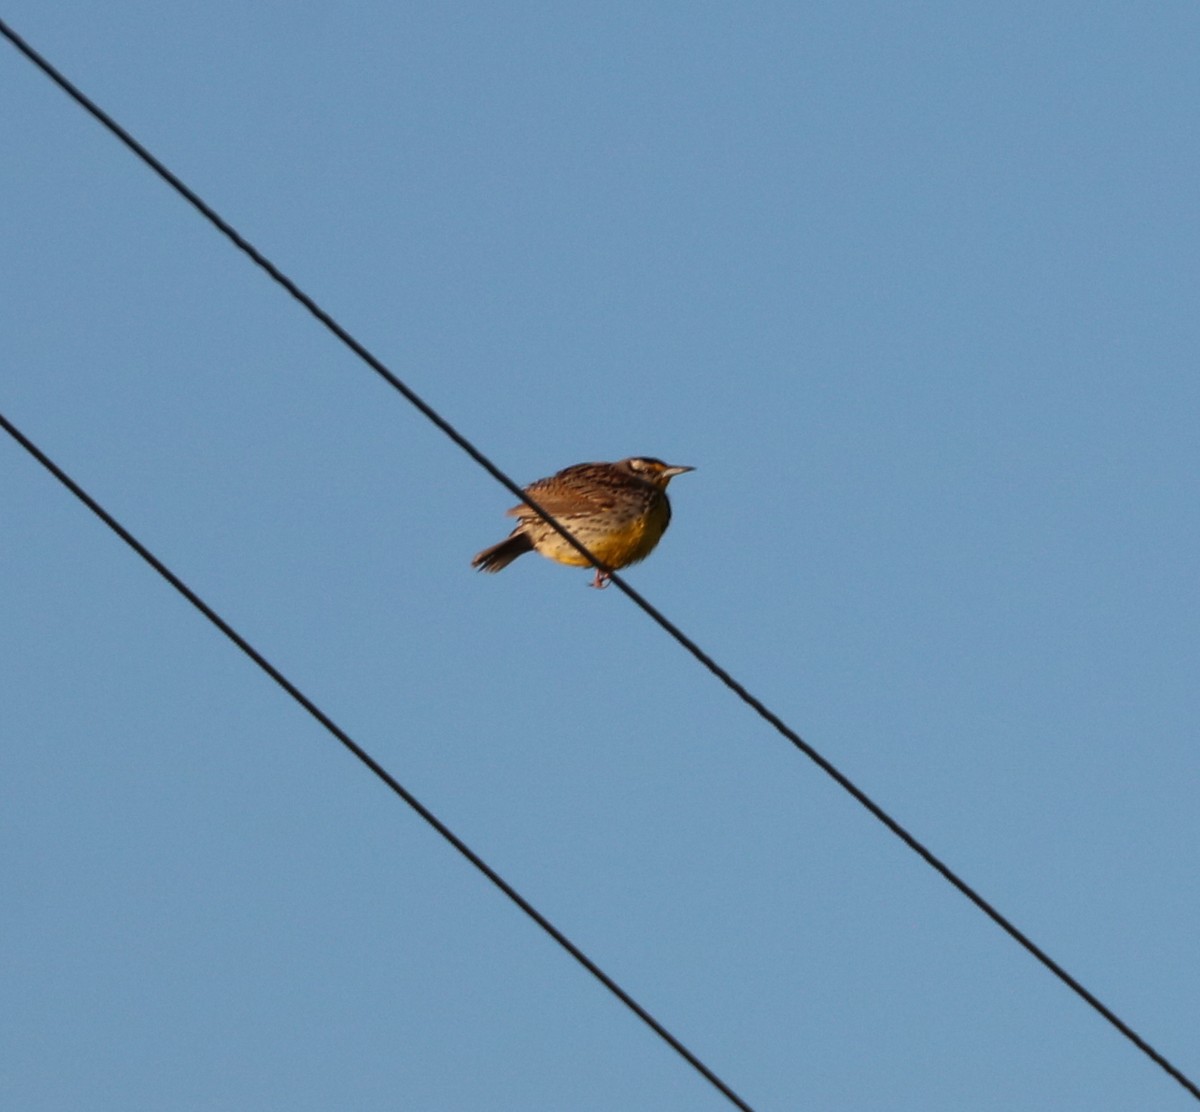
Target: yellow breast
617 540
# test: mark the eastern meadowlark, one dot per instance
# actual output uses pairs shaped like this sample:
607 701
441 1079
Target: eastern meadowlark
617 511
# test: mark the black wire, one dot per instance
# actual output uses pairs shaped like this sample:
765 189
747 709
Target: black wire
369 761
651 611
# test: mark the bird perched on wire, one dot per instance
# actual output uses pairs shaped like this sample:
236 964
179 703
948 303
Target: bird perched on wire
617 511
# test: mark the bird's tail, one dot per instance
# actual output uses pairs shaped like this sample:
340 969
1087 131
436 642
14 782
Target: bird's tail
502 554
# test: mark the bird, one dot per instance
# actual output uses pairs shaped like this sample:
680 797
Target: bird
617 511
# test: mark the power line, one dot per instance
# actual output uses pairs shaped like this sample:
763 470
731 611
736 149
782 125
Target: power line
651 611
332 727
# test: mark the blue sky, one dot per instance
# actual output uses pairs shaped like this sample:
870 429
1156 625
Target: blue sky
913 287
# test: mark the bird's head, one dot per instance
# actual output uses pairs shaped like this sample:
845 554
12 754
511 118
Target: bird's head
652 470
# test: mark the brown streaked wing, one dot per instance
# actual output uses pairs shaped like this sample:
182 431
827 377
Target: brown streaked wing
572 491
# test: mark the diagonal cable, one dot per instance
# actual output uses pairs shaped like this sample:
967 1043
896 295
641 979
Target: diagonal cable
333 728
650 610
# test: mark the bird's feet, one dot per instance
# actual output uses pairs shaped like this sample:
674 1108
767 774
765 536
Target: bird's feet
601 580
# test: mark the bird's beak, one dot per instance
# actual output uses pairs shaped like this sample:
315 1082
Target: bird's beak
671 472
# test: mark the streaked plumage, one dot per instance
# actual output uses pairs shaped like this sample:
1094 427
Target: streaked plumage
618 511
